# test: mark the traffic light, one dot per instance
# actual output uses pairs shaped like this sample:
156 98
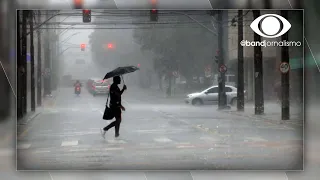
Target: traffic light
83 47
139 65
78 4
86 15
153 15
110 46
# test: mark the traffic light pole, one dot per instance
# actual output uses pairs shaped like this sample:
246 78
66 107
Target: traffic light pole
267 4
258 75
285 83
240 88
222 94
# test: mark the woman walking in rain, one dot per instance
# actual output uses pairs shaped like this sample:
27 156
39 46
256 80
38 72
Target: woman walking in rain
115 106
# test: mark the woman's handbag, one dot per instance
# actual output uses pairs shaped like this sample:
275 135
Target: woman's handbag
108 113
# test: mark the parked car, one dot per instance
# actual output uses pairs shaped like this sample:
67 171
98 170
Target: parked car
211 96
97 86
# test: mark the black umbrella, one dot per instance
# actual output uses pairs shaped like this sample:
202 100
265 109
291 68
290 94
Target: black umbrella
121 71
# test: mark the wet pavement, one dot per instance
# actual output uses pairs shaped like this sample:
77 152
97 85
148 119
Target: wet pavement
155 134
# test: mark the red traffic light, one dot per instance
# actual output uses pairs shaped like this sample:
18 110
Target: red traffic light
110 46
83 46
86 11
139 65
78 4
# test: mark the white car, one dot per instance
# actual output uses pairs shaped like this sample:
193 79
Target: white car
211 96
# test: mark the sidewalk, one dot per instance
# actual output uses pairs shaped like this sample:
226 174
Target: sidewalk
46 101
272 113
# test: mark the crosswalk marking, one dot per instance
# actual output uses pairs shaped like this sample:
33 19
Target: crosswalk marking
160 130
207 138
111 149
163 140
186 146
69 143
255 139
24 146
116 141
42 151
78 150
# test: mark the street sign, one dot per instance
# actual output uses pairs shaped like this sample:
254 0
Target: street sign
175 73
284 67
223 69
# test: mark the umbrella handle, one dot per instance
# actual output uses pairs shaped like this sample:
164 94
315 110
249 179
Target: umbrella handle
123 80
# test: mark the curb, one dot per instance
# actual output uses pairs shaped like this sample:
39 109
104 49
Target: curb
264 118
29 118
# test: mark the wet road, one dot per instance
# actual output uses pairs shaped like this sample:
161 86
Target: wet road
155 134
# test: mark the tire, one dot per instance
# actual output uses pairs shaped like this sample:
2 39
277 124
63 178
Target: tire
234 102
197 102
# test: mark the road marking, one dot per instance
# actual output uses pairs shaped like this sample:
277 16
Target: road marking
69 143
74 109
162 140
24 146
116 141
183 143
186 146
207 138
159 130
69 129
255 139
222 145
112 149
46 130
42 151
78 150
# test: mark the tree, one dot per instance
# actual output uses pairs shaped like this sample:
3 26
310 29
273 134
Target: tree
186 49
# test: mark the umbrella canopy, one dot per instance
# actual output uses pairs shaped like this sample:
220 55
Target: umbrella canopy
120 71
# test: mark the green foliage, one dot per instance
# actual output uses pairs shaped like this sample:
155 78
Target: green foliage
185 49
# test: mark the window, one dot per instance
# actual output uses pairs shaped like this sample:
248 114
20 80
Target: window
228 89
213 90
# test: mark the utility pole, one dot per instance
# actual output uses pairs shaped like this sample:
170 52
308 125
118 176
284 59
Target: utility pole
47 62
222 94
258 75
24 61
19 65
33 90
285 83
39 75
267 4
240 88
